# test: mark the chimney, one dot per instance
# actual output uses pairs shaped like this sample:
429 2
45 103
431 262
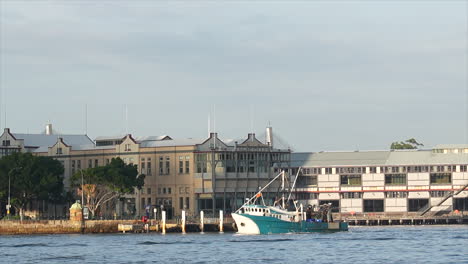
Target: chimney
269 136
48 129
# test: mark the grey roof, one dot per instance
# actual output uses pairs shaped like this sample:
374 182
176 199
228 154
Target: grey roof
43 140
152 138
424 157
102 138
451 146
363 158
77 147
339 158
232 142
91 147
171 143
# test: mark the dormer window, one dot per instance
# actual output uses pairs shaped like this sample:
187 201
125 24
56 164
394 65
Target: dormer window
59 151
127 147
6 143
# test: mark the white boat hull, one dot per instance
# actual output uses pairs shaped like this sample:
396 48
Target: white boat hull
245 225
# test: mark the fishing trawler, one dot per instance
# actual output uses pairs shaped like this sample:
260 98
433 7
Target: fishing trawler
253 218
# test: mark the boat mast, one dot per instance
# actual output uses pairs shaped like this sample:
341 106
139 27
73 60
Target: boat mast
294 185
282 188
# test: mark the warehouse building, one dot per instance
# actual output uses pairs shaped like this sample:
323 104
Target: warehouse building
396 182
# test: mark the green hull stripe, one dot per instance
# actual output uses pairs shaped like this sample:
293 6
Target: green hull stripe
271 225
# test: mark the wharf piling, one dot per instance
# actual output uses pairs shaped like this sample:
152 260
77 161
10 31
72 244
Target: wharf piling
385 220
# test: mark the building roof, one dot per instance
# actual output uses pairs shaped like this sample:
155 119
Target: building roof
451 146
388 158
171 143
43 140
152 138
105 138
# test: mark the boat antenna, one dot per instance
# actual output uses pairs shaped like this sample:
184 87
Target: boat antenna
282 188
294 185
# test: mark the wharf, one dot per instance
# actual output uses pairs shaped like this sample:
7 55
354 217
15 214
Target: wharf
402 219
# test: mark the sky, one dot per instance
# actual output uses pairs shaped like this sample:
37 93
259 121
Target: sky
327 75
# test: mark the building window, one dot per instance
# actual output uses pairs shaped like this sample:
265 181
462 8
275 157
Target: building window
127 147
107 161
351 195
90 163
415 205
463 168
316 171
6 143
460 204
187 202
373 206
59 151
396 194
169 190
181 167
352 179
96 163
148 170
181 203
373 169
161 166
439 193
142 203
148 191
187 166
78 164
307 180
149 201
168 165
328 170
395 179
159 190
441 178
164 190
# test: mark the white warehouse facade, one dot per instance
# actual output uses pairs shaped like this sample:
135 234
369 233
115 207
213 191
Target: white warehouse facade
396 182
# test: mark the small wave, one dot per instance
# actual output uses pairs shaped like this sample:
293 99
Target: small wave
29 245
147 243
73 245
77 257
262 240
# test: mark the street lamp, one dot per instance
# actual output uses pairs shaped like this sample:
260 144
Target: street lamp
9 189
82 203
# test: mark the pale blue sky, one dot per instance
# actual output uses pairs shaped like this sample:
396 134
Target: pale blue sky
329 75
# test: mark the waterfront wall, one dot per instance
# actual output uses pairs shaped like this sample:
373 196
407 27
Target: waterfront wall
60 227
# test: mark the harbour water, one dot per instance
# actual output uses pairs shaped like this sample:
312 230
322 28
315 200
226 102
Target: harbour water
390 244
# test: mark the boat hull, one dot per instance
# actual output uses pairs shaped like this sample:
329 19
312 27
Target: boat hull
252 224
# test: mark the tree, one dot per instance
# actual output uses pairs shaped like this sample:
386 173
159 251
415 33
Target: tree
106 183
407 144
31 177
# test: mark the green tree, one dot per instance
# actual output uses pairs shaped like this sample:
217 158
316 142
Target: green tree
106 183
31 177
407 144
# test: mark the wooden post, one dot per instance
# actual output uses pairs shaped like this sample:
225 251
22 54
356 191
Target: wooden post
202 224
183 221
163 216
221 221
